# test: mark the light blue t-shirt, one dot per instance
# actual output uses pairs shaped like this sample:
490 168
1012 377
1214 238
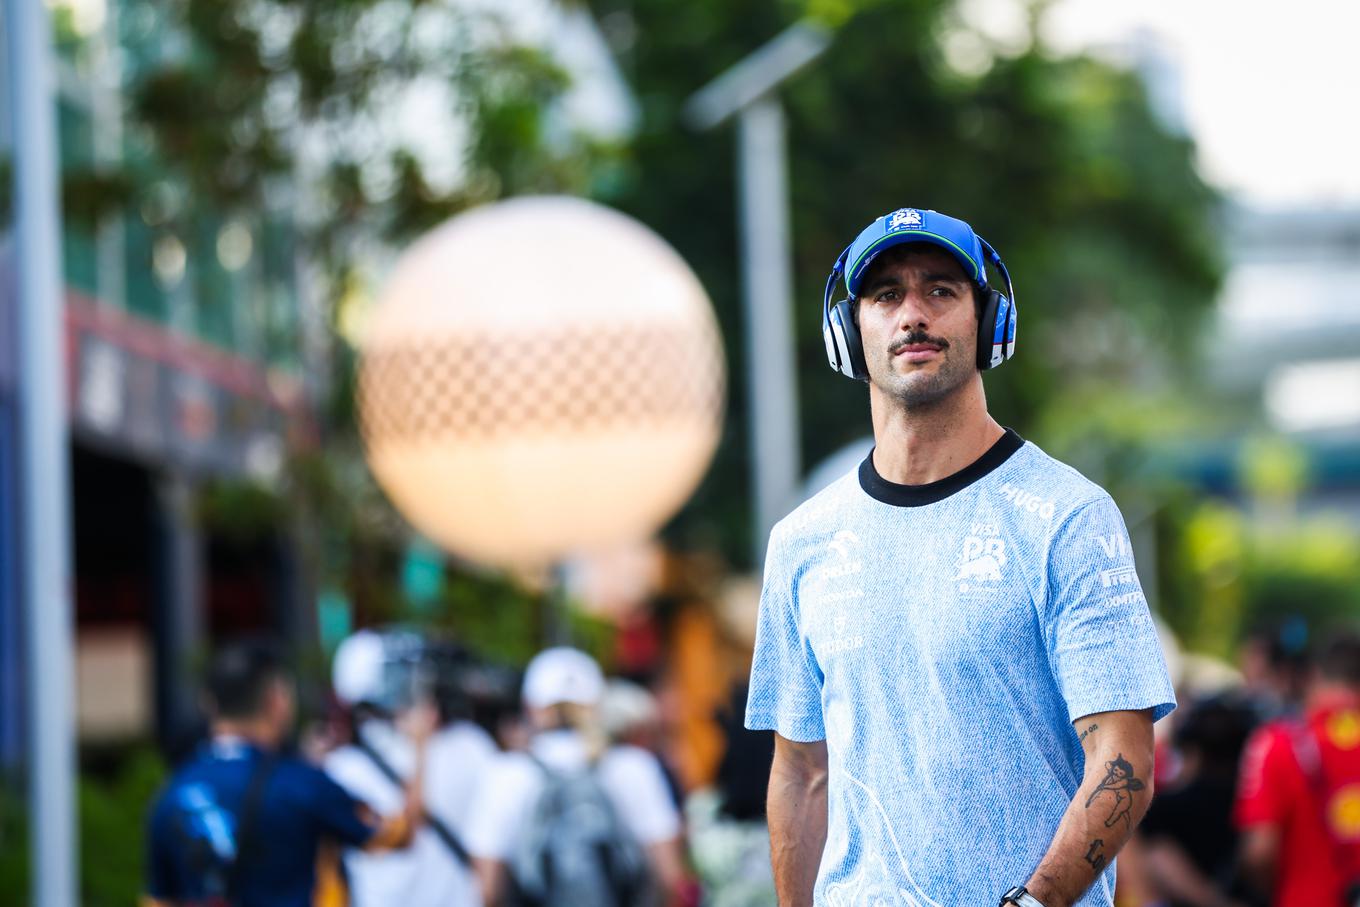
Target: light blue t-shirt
942 639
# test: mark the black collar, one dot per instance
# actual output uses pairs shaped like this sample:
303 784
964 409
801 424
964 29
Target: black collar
880 489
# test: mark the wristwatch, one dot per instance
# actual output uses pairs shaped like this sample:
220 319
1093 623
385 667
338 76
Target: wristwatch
1020 898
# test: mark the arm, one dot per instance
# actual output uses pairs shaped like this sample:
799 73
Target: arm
1176 877
1260 853
399 830
796 809
1114 794
490 878
667 859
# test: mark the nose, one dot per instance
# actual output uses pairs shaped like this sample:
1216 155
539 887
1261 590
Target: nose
914 312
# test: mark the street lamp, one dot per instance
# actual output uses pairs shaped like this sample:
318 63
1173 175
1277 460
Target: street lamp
747 91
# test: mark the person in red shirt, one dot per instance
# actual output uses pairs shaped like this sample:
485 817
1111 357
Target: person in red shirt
1298 797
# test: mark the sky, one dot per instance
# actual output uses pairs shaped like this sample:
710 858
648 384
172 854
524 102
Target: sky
1269 91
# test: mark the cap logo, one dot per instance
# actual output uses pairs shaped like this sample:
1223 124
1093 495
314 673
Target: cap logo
904 218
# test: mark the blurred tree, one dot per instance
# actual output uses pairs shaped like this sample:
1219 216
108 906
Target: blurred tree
369 121
1060 162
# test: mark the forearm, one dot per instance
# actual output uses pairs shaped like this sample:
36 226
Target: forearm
1114 795
796 810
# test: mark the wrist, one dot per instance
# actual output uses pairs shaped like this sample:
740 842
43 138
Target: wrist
1019 896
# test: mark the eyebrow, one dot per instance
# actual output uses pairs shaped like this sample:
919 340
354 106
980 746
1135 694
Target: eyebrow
888 280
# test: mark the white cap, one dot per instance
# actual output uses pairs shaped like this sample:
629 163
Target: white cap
562 675
357 671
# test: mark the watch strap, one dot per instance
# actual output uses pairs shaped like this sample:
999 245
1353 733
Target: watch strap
1020 898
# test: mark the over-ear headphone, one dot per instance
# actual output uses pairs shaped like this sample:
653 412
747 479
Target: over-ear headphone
997 315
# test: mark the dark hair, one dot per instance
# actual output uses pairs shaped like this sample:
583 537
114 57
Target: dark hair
240 676
1217 729
1340 659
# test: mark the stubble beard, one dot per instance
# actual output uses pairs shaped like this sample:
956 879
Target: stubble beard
918 389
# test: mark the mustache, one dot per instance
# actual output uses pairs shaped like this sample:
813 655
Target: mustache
907 340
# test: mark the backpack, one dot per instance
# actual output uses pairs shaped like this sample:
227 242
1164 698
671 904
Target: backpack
216 844
575 851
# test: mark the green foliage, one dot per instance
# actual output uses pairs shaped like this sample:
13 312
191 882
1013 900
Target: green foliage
1235 573
1058 161
112 816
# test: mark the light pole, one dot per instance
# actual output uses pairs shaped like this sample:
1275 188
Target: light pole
44 459
747 91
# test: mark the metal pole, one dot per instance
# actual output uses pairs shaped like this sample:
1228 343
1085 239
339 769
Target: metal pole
767 269
44 459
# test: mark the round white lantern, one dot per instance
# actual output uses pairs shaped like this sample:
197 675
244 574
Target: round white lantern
542 376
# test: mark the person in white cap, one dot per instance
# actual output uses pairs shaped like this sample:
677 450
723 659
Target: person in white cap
379 677
545 816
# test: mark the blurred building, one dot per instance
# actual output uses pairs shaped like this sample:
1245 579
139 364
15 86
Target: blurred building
185 365
193 361
1285 347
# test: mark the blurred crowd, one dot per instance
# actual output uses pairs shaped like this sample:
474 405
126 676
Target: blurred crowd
439 779
1258 782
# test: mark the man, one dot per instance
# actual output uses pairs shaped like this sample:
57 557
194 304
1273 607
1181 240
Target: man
514 831
953 646
1298 799
243 824
383 677
1188 842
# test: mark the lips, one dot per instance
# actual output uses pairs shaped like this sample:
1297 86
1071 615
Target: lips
917 352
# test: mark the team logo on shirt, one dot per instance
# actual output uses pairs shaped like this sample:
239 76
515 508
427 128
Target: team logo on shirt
1024 500
982 557
844 562
1114 545
1343 812
1119 576
1343 729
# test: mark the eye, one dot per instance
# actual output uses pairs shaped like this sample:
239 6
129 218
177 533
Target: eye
942 291
888 296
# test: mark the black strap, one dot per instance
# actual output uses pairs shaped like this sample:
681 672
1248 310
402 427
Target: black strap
247 822
436 825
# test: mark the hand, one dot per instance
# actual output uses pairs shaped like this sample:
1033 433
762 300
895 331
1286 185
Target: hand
420 721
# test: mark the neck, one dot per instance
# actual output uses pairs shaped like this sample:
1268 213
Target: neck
919 445
258 731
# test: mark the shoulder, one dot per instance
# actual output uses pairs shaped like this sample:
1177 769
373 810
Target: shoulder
815 523
631 761
303 780
825 508
1035 482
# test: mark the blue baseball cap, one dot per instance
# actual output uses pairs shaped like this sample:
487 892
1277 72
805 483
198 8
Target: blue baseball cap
914 225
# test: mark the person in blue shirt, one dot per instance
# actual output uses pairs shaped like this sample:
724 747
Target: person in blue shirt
243 824
953 646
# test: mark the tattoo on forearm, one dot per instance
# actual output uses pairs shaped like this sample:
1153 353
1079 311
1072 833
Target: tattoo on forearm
1095 856
1093 727
1117 789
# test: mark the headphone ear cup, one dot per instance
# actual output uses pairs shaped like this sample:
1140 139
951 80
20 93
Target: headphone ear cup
849 346
987 329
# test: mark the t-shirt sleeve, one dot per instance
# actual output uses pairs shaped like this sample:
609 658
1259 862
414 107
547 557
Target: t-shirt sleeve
786 682
1267 782
335 811
1102 643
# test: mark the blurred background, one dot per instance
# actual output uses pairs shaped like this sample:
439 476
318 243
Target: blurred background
1173 189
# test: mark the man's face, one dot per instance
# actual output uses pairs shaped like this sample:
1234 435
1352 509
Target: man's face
919 325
